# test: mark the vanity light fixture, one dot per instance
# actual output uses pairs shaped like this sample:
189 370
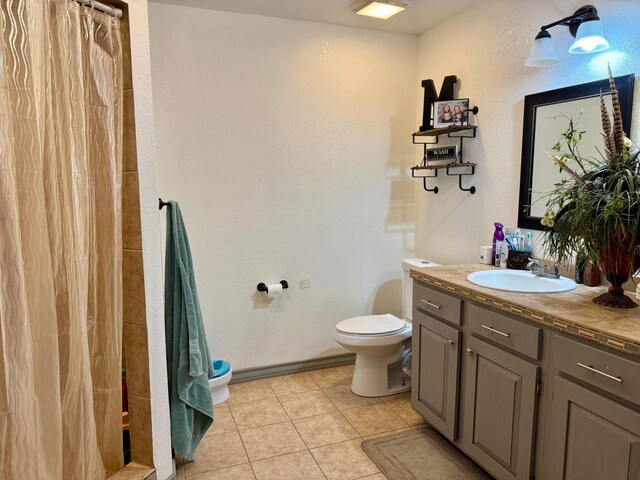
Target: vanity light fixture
584 26
379 9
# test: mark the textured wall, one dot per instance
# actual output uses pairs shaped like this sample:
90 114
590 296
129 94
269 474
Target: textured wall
286 144
486 47
152 263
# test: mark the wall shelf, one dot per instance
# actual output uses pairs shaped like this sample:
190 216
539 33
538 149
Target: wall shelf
436 132
457 168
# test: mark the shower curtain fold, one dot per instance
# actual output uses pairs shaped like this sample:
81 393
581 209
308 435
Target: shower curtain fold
60 238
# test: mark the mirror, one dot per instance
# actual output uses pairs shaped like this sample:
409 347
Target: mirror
541 131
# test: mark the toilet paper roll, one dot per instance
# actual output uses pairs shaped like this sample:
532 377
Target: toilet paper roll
274 290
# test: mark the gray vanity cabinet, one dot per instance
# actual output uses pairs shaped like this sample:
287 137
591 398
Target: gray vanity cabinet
523 400
436 360
592 437
594 429
499 409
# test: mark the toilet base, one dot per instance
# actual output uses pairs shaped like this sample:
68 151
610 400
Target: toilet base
380 376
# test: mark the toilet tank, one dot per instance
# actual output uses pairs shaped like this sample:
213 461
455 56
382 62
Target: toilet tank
407 283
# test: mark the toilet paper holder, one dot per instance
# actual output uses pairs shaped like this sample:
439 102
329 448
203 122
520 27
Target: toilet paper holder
262 287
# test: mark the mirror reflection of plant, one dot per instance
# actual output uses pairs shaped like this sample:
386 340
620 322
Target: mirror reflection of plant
598 204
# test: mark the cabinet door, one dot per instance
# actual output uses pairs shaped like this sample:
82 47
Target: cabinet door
592 437
499 409
436 358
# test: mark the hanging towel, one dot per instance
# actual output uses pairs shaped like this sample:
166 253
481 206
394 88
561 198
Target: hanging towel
188 361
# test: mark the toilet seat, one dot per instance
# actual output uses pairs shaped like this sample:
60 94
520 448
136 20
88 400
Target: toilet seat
372 325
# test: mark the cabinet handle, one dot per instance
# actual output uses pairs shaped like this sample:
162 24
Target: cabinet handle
491 329
469 351
451 342
594 370
431 304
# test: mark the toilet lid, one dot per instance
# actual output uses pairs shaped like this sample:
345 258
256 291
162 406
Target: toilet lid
372 325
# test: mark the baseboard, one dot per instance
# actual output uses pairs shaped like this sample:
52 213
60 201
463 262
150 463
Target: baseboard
256 373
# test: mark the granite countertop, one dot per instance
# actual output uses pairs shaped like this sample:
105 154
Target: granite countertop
572 312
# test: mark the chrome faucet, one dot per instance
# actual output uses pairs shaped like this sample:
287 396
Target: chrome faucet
539 271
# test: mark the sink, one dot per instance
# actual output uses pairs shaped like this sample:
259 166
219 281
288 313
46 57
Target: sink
520 281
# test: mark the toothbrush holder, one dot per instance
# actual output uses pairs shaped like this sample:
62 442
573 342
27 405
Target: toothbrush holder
517 260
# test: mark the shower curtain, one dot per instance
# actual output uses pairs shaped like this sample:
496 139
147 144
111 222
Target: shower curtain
60 241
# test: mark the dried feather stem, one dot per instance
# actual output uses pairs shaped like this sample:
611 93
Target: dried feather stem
618 131
609 144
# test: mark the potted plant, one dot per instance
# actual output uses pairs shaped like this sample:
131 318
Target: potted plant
595 210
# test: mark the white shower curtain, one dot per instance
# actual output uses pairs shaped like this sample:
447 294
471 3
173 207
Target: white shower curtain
60 241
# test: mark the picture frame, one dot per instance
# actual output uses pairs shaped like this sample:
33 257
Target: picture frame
451 112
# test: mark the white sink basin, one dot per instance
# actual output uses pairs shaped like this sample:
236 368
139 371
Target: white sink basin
520 281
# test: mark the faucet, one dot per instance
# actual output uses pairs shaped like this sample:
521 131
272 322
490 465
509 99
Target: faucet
539 271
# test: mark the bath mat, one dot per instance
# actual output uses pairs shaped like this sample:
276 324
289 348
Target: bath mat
421 454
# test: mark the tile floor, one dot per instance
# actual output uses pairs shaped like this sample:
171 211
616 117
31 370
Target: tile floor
304 426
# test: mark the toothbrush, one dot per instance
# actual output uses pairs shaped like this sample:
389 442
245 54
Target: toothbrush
518 234
529 241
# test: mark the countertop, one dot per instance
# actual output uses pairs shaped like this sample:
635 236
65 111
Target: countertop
572 312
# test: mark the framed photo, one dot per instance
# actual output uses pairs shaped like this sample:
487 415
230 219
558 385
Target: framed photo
451 112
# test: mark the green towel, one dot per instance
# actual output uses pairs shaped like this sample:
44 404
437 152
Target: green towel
188 362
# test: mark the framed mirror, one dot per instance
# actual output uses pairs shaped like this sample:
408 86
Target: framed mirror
545 121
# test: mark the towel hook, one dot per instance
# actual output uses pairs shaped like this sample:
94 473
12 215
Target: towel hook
161 204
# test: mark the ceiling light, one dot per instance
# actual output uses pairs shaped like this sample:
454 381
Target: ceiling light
379 9
584 25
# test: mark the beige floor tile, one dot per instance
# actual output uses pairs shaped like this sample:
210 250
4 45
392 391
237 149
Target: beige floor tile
344 398
377 476
271 440
290 384
249 392
222 421
401 405
385 434
325 429
180 475
330 377
344 461
238 472
257 414
372 419
217 451
307 404
294 466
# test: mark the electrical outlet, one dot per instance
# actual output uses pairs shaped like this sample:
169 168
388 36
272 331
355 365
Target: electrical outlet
304 283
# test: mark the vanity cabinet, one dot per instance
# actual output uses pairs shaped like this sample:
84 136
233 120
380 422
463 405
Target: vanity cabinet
499 409
471 382
436 357
592 437
523 400
594 432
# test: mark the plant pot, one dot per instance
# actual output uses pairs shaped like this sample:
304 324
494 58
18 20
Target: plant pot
617 266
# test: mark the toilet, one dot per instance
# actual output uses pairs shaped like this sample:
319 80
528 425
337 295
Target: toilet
219 384
382 344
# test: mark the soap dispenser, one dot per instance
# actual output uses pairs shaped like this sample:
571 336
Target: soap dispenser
498 238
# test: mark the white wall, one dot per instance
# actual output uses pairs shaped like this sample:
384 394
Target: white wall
286 144
146 155
486 47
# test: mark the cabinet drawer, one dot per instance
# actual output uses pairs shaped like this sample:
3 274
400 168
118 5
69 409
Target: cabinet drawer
436 303
518 336
604 370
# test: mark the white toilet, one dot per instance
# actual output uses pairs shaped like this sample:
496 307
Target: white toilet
380 343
